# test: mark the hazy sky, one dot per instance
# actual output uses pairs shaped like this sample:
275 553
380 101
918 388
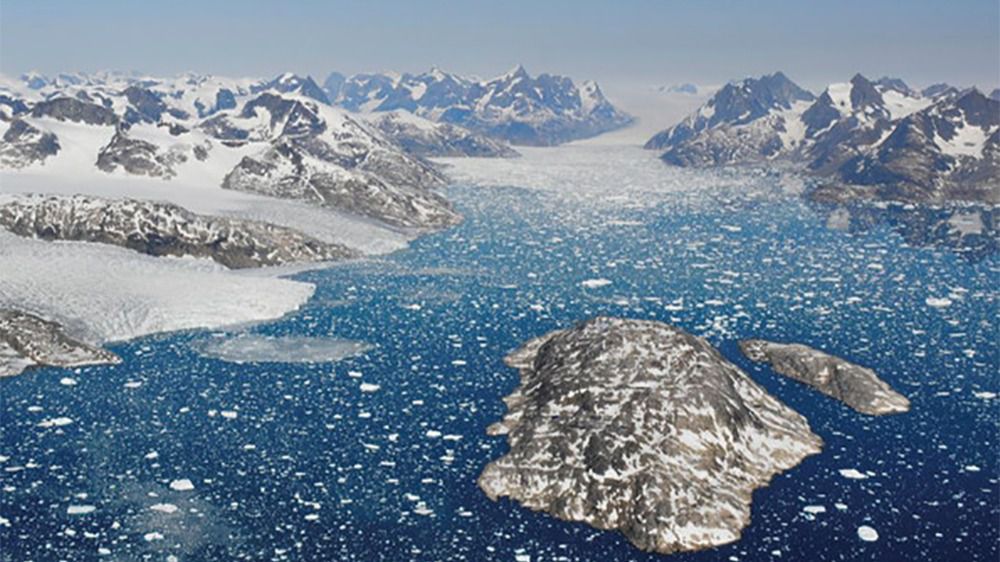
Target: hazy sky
638 41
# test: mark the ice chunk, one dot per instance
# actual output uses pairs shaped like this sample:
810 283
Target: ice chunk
867 533
182 485
853 474
55 422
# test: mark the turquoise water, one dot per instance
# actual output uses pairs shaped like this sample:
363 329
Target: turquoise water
375 457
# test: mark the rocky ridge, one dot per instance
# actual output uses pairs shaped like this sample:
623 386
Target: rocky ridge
856 386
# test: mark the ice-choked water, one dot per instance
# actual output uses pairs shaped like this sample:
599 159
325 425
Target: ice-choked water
375 457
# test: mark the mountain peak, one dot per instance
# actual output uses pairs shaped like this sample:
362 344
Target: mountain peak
516 72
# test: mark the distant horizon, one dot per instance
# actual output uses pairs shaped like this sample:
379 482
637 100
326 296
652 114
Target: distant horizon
630 42
320 78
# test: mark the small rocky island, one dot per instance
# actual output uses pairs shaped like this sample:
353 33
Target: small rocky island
29 341
856 386
640 427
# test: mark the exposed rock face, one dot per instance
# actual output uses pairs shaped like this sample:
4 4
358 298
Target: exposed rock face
857 387
29 341
138 157
24 144
641 427
72 109
162 229
421 137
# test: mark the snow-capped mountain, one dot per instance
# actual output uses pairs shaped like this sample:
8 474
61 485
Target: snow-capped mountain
839 134
273 138
751 120
516 107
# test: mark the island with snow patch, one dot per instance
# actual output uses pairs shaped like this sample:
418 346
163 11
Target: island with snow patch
640 427
856 386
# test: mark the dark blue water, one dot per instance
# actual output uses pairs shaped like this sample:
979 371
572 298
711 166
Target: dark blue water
313 468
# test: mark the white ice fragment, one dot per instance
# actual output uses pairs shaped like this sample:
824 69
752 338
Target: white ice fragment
867 533
369 387
80 509
55 422
182 485
935 302
164 507
595 283
67 381
853 474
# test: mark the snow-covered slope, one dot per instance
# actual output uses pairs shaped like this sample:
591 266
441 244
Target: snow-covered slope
516 107
641 427
271 137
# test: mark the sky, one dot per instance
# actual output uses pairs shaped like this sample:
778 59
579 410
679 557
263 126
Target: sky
647 42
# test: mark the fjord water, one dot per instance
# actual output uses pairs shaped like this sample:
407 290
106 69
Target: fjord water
375 456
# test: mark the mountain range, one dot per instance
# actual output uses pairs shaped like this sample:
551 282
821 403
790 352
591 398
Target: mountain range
865 139
543 110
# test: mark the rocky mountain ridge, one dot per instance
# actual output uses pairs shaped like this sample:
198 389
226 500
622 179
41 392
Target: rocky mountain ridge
863 139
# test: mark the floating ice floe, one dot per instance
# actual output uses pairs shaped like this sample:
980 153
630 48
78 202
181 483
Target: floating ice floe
252 348
80 509
164 507
182 485
595 283
369 387
55 422
935 302
67 381
867 533
853 474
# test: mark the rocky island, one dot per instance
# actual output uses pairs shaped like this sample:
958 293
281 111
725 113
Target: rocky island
856 386
29 341
640 427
